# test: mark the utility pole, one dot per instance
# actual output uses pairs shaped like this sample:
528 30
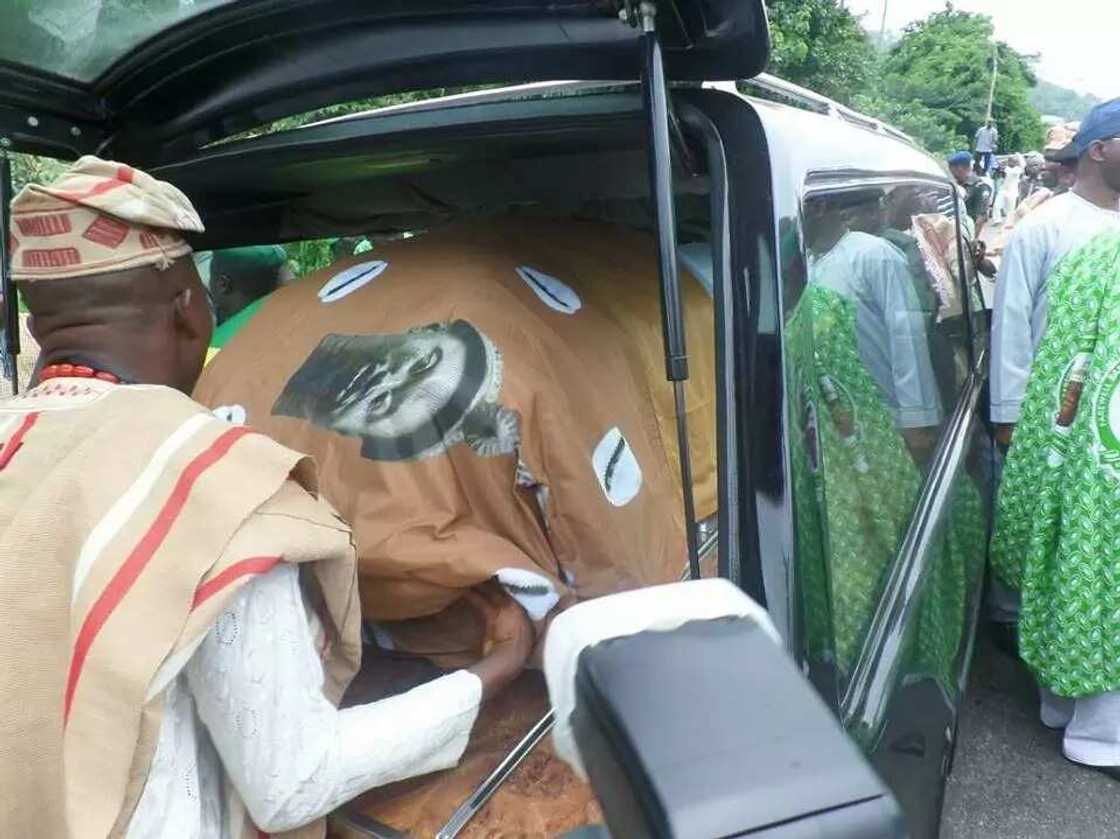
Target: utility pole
995 72
883 25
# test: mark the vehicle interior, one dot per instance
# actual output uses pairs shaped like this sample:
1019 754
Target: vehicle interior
551 154
574 150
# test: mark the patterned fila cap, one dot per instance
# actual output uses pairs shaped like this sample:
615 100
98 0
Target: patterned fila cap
98 217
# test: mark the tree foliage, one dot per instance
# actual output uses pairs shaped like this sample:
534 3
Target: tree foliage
820 45
945 63
30 168
932 82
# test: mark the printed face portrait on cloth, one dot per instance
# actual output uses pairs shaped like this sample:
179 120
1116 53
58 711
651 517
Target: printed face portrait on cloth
408 395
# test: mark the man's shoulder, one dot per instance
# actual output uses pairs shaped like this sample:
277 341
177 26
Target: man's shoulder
868 246
1048 216
975 184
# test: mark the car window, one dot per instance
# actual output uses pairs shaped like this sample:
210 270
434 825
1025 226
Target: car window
876 341
81 38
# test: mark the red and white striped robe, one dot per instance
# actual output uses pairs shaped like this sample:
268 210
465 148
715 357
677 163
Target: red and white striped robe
124 516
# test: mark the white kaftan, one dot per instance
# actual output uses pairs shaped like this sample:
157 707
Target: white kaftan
1008 197
249 707
1039 243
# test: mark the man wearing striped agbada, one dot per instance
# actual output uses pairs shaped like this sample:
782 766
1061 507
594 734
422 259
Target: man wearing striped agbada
180 609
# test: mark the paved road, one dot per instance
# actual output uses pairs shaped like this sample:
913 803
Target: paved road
1009 779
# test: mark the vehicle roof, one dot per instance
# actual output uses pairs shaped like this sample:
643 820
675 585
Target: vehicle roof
823 146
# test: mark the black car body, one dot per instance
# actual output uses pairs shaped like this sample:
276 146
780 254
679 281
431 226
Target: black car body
751 176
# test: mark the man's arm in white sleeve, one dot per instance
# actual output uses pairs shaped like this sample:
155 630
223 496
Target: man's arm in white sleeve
292 756
1012 334
915 386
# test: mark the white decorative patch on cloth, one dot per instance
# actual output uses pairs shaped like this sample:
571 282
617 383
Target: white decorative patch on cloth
535 593
233 414
351 279
551 291
617 469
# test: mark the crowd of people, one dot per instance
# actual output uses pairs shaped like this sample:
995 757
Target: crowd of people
458 501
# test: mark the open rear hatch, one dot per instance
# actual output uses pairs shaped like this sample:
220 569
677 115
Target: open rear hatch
153 82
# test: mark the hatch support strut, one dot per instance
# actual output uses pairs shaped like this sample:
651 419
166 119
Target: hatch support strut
655 98
10 349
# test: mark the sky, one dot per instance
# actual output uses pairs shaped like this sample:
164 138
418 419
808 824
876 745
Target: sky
1077 48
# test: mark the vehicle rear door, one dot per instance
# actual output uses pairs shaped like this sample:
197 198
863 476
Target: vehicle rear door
151 82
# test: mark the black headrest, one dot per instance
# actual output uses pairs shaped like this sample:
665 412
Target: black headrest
710 731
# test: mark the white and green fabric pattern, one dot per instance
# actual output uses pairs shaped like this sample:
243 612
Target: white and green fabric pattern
1058 521
855 485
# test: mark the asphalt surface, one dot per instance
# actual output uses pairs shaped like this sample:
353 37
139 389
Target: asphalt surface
1009 778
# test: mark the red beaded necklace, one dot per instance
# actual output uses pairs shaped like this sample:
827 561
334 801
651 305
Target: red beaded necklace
76 371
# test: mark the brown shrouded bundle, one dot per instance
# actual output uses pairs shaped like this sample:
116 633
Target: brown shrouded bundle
485 400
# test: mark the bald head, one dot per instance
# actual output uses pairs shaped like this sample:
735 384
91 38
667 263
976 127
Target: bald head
143 324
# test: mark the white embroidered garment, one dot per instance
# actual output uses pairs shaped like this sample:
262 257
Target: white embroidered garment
1038 244
249 702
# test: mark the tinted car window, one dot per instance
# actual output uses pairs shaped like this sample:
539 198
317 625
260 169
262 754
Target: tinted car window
876 342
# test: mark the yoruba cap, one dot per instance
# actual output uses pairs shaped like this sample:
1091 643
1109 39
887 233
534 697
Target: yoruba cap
1059 137
961 158
96 218
1103 123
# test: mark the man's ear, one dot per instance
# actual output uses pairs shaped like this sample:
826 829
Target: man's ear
184 323
1096 152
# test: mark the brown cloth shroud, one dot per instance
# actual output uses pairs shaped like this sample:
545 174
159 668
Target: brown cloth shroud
547 335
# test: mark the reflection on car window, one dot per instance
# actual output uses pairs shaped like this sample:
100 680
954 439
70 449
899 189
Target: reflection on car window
81 38
877 358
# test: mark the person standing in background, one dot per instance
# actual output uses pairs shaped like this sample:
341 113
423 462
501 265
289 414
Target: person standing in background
1008 197
1041 240
987 141
1033 252
977 192
1057 523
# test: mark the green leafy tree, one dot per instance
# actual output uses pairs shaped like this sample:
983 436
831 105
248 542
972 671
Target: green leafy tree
944 64
29 168
931 83
820 45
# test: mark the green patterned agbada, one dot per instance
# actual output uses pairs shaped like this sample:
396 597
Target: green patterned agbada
855 484
1058 522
